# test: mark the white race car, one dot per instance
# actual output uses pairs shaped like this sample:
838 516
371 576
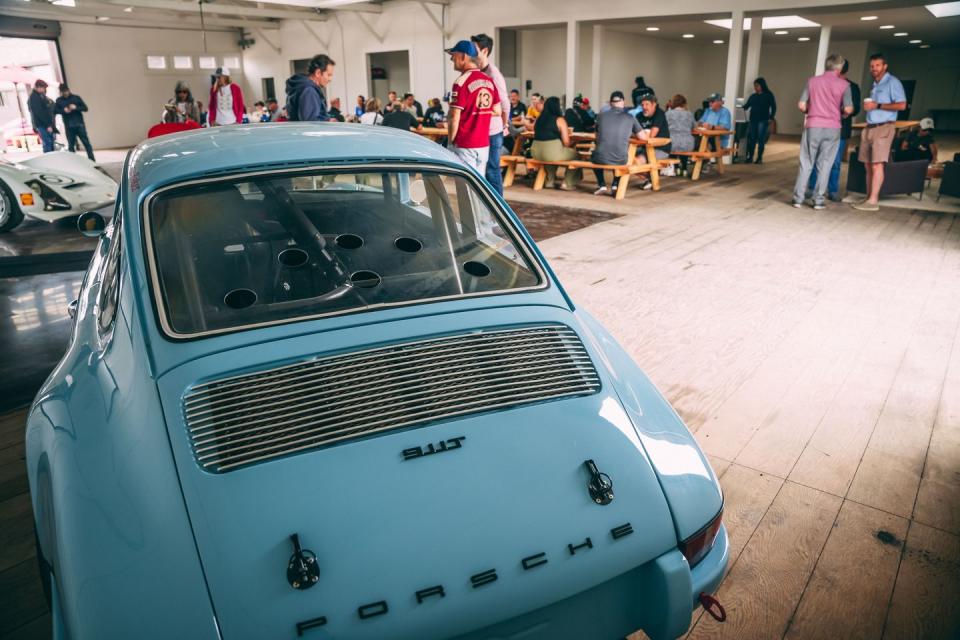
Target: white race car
52 186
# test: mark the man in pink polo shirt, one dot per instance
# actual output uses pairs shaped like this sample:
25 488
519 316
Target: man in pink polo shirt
824 99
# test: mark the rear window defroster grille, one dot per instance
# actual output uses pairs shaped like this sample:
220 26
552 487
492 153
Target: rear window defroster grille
246 419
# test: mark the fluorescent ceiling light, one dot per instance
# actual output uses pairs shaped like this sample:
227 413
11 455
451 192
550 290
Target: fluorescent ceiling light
128 10
653 28
888 26
718 42
770 22
916 41
868 18
64 3
804 39
944 9
901 33
314 4
688 35
781 33
102 18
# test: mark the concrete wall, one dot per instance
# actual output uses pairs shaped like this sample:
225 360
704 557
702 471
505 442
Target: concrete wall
106 66
937 72
543 54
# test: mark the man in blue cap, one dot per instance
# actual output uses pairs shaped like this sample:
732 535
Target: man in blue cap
474 100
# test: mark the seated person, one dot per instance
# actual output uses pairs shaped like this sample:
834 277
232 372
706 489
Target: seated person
372 115
614 130
717 116
681 124
434 115
918 145
552 143
335 113
578 118
653 123
517 108
533 111
399 118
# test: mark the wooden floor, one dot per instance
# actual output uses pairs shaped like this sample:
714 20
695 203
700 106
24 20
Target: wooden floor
816 357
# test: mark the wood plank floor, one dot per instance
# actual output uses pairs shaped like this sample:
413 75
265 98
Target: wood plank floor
816 357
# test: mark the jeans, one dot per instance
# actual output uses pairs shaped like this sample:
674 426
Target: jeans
833 186
494 177
818 146
757 134
46 138
476 158
73 133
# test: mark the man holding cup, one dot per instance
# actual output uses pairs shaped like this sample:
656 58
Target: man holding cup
886 98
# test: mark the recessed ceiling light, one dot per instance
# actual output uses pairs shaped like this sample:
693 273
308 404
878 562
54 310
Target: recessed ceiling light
102 18
64 3
804 39
868 18
944 9
901 33
916 41
653 28
688 35
924 46
718 42
888 26
128 10
781 33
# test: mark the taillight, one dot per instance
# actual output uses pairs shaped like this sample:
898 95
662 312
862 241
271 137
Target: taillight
697 546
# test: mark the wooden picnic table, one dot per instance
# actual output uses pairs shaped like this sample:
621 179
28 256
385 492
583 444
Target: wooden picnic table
899 124
703 153
434 133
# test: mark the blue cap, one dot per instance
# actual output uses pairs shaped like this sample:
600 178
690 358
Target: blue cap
464 46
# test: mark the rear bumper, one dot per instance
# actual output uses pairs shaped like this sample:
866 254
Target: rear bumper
658 597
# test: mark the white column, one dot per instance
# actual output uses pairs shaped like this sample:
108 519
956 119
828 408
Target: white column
752 65
573 45
823 50
734 49
596 67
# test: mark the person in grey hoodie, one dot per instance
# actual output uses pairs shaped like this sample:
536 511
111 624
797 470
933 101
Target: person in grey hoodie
306 101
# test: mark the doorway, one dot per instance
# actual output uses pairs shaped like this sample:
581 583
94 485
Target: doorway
388 71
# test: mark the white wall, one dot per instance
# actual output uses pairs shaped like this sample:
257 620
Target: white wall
543 55
937 72
106 66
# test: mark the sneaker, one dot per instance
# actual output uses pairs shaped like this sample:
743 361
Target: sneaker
819 206
866 206
797 205
565 187
834 197
647 185
758 161
601 191
668 171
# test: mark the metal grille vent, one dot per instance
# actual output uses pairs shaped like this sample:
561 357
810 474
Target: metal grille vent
245 419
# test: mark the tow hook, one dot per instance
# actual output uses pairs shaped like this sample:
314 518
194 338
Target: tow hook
302 570
712 606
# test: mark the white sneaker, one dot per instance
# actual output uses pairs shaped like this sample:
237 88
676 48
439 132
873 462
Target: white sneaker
668 171
600 192
647 185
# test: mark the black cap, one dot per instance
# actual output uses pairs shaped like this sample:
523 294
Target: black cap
64 87
616 95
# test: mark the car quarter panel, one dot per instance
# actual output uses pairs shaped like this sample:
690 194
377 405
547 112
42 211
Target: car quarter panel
688 481
106 498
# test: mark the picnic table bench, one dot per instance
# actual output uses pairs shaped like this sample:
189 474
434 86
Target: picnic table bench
703 152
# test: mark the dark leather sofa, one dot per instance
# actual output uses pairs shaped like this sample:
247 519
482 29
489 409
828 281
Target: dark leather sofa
898 177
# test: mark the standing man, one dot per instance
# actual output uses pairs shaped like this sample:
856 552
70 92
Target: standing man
887 97
42 116
71 107
825 98
473 102
846 128
226 101
306 100
498 126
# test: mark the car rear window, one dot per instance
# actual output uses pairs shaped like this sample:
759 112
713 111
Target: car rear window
271 248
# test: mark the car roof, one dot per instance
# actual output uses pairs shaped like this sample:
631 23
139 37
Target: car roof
216 150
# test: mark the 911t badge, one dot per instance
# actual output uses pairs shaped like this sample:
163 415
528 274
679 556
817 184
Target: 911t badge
443 446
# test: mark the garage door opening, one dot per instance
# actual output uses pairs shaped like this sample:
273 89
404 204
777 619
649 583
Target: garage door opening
388 71
40 59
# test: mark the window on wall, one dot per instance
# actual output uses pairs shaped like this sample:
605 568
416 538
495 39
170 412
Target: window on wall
182 62
233 62
207 62
157 63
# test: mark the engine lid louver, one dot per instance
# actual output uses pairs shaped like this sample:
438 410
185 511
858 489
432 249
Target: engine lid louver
241 420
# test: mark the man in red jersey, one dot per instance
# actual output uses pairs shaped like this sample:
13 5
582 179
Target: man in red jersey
473 101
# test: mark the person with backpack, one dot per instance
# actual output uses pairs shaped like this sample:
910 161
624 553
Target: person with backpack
306 100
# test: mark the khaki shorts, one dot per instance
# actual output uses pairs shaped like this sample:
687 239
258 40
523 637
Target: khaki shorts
875 143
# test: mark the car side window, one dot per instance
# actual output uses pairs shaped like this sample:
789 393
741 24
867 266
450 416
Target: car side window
110 282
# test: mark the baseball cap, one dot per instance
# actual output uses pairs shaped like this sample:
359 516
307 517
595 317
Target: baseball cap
926 123
616 95
40 84
222 71
714 96
464 46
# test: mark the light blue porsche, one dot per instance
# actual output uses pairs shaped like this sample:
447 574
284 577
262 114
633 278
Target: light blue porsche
322 384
